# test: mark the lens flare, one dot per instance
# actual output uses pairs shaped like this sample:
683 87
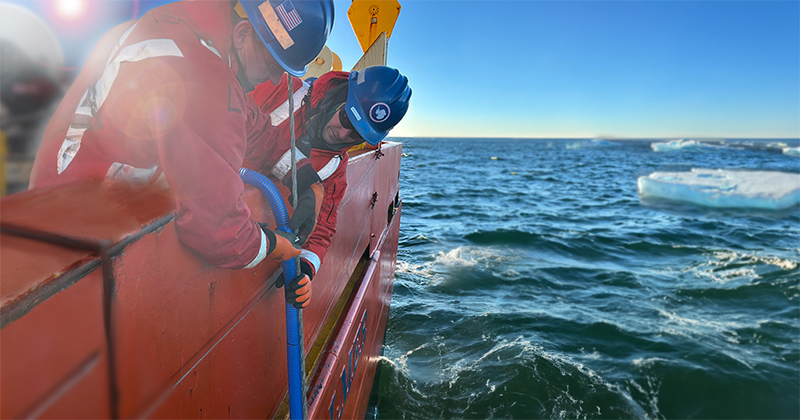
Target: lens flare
71 9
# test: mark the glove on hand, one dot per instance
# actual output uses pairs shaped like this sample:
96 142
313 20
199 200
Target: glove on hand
279 245
305 215
298 291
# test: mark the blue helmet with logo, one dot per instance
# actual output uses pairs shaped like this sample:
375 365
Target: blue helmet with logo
294 31
377 99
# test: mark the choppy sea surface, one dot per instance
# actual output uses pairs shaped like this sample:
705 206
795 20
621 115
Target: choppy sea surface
533 282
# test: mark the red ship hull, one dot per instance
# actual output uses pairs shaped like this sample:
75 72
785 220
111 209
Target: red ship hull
105 314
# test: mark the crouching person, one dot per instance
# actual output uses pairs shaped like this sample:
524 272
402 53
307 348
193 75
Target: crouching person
339 110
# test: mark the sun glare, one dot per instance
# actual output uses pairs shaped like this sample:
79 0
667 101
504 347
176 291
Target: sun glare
70 9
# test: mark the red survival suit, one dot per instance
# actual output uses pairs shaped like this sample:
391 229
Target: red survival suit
159 97
331 166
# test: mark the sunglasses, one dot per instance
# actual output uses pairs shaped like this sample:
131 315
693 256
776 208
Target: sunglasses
344 120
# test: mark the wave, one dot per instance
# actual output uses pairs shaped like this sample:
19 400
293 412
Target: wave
418 239
560 293
568 366
515 377
506 237
591 248
461 269
745 270
707 389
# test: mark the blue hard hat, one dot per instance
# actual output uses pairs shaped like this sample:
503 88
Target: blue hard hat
294 31
377 99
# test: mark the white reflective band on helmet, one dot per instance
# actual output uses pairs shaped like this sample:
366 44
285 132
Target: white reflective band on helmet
262 251
122 172
329 168
96 94
281 114
275 25
284 164
311 257
355 112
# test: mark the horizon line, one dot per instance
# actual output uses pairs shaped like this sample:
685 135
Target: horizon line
602 138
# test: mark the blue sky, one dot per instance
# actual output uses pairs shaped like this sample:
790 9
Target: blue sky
612 69
617 69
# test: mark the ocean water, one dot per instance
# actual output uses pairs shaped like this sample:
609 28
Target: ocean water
533 282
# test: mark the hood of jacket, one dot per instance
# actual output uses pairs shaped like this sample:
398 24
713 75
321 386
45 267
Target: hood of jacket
325 83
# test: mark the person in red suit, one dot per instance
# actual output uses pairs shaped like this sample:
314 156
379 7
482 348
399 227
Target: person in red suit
335 112
163 99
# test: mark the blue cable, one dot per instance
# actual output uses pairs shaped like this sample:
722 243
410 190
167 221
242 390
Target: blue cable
294 353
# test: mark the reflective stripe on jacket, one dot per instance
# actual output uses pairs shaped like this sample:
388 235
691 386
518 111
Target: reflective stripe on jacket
160 98
331 166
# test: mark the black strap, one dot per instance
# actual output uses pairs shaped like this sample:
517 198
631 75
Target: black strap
272 241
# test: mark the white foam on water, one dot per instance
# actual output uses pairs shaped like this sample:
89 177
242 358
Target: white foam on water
519 348
401 363
725 188
702 329
466 256
744 265
491 387
424 274
461 257
566 365
647 362
404 267
655 385
455 258
595 355
683 321
677 319
387 360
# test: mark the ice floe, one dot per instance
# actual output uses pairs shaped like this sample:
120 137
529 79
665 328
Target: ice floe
791 151
589 144
679 145
777 145
725 188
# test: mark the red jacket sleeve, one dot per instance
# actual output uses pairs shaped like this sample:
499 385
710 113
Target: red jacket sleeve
316 246
201 151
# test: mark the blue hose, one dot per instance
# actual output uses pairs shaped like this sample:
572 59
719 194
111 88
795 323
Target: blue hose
294 352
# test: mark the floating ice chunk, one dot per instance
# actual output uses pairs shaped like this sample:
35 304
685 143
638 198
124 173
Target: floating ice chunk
791 151
682 144
595 143
724 188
